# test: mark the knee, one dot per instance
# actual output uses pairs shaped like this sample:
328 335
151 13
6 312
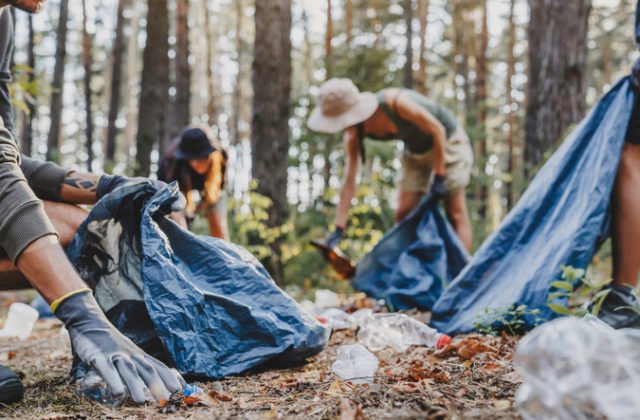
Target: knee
630 161
66 219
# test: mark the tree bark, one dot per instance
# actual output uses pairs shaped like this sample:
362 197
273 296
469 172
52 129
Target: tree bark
212 112
481 106
328 49
182 103
87 62
236 100
116 86
154 89
271 110
423 15
511 116
557 73
27 122
407 6
348 21
132 82
57 85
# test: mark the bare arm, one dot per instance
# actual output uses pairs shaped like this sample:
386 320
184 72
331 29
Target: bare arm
348 189
411 111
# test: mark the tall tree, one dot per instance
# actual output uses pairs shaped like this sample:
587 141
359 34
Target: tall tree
53 140
132 82
154 88
407 6
182 102
348 21
271 109
117 54
557 72
481 104
328 48
236 100
511 117
423 18
27 122
209 42
87 62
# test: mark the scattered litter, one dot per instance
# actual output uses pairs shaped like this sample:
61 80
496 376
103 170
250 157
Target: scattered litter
355 363
399 332
92 385
43 308
338 319
326 299
20 321
577 369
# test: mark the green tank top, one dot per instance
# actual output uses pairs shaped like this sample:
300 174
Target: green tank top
416 140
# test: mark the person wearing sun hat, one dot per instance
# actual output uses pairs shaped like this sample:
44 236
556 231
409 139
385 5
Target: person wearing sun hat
199 164
437 155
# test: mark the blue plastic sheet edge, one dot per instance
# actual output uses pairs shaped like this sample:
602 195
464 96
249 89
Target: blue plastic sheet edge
561 219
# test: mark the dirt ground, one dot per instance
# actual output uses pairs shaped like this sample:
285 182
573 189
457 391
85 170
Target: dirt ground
473 378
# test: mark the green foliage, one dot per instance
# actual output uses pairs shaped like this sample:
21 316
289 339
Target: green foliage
24 90
510 320
576 294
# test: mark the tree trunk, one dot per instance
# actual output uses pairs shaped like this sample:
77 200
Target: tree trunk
481 106
116 86
557 73
27 122
211 88
348 21
511 116
87 62
154 87
53 140
328 49
132 82
407 6
182 103
423 15
271 110
236 100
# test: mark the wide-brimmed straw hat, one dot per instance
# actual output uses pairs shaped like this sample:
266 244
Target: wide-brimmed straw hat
340 106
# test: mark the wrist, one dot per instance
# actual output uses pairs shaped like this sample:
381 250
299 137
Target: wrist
340 229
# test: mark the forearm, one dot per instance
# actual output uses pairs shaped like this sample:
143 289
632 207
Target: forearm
346 196
439 162
80 188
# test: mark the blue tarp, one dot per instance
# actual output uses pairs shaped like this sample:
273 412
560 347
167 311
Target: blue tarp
413 262
202 304
561 219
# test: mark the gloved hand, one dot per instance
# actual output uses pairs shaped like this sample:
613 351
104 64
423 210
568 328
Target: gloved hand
438 188
335 238
108 183
635 75
125 368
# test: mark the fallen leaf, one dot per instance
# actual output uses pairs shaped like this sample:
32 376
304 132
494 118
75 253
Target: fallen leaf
502 405
219 395
350 411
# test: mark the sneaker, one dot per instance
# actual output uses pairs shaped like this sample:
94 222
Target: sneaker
621 308
11 389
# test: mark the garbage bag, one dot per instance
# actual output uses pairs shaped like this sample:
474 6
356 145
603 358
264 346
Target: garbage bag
201 304
561 219
578 369
413 262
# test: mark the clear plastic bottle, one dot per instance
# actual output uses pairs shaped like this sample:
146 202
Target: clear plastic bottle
398 331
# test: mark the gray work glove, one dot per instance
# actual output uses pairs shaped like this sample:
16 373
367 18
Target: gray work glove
109 183
126 369
438 188
333 240
635 75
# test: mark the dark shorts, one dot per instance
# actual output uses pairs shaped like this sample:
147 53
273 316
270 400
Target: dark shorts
633 129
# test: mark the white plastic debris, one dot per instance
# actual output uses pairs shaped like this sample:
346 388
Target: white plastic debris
20 321
397 331
355 363
578 369
327 299
308 306
338 319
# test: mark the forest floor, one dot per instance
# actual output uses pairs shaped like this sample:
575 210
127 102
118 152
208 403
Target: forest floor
472 378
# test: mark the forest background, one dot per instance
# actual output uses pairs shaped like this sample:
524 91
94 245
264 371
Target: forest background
106 85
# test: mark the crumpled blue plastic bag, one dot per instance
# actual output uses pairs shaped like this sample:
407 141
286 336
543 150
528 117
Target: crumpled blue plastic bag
561 219
215 309
413 262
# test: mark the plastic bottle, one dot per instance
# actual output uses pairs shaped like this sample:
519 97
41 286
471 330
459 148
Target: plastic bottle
398 331
20 321
92 385
355 363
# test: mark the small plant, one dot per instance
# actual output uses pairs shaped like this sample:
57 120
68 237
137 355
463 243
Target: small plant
577 294
511 320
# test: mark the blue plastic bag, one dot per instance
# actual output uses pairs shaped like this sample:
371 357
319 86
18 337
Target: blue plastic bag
201 304
413 262
561 219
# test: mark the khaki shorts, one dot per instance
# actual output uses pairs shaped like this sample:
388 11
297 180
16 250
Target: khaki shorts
416 168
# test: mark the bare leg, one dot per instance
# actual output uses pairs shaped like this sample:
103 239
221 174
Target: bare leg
456 209
626 223
407 201
66 219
